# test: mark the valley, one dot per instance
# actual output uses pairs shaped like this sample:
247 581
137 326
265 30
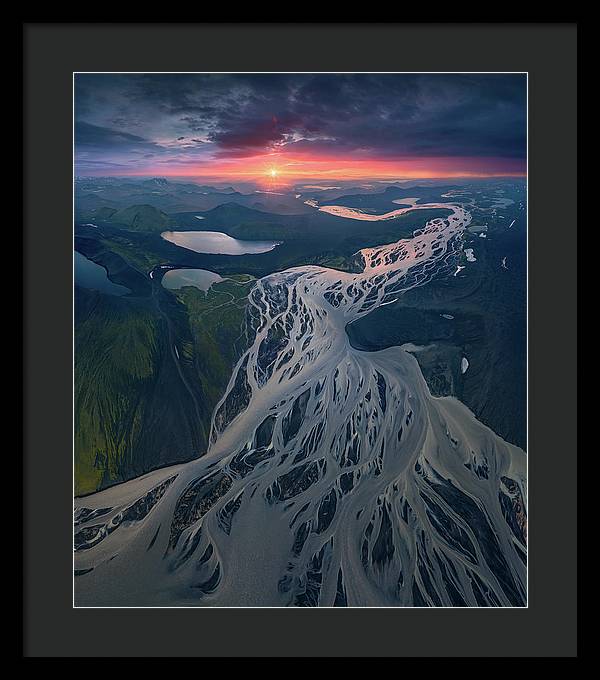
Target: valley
361 474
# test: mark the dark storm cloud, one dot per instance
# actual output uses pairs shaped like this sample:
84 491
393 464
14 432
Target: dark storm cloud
434 115
363 115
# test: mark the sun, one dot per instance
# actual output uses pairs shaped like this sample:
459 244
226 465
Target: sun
273 172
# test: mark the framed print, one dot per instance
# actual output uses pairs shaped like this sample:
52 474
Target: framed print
296 348
300 323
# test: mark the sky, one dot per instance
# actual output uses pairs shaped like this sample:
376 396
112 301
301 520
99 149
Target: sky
300 126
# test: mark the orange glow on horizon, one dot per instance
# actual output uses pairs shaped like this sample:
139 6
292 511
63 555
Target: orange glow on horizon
267 168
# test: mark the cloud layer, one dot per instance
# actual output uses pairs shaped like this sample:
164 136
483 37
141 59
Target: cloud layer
199 124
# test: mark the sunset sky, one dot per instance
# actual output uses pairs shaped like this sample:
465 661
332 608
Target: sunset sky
300 126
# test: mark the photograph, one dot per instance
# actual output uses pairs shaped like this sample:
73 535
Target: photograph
300 339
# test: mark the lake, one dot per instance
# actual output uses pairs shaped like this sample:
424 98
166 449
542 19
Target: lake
175 279
217 243
88 274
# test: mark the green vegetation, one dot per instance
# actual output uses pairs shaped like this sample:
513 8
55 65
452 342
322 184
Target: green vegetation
218 323
148 374
141 259
142 218
116 350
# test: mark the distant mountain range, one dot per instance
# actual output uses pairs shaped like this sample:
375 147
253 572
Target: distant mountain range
172 197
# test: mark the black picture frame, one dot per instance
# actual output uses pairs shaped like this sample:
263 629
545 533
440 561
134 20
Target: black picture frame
52 628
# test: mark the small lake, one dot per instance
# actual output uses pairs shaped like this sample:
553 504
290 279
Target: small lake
175 279
217 243
90 275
